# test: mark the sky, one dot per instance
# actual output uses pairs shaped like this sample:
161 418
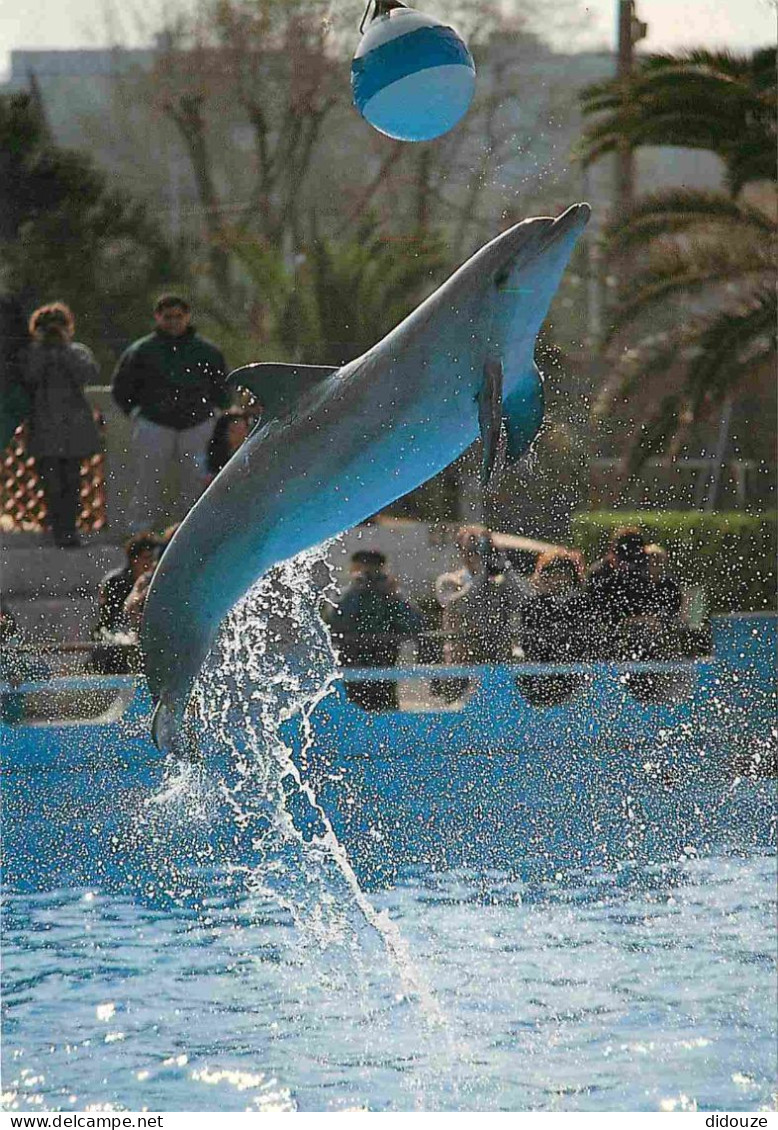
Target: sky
673 24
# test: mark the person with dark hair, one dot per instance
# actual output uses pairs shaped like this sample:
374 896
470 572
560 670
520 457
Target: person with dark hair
551 619
171 383
141 552
626 604
552 625
230 432
62 429
113 624
368 625
666 596
618 584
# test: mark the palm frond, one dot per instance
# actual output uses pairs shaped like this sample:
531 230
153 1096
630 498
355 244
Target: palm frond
707 360
673 270
656 432
680 210
728 342
702 100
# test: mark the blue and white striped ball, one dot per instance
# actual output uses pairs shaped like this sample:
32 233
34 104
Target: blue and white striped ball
412 77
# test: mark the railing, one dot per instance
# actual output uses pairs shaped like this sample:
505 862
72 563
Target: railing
101 699
22 499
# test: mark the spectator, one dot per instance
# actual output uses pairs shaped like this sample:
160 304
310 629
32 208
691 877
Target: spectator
171 383
480 602
551 619
62 426
618 589
368 625
230 432
141 554
552 625
136 600
449 586
113 625
666 595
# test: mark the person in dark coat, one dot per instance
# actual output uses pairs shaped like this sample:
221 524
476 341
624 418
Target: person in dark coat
551 629
368 625
230 432
552 625
142 552
62 429
618 589
172 384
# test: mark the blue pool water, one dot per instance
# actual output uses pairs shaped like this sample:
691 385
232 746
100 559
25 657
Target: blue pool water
173 942
647 988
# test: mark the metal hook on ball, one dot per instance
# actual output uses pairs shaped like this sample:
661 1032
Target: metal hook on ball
380 8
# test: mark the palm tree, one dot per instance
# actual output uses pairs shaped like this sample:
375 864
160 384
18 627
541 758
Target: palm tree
714 249
709 100
341 297
361 288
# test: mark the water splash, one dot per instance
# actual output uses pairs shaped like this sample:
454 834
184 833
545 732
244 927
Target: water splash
274 660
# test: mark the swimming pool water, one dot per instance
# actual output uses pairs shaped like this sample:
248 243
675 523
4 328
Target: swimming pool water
647 987
565 930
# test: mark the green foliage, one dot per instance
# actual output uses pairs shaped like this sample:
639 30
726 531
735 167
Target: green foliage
341 298
352 293
716 248
65 235
699 99
731 553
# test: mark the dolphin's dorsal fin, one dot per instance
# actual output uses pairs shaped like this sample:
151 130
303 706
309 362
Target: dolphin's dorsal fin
277 386
490 416
522 414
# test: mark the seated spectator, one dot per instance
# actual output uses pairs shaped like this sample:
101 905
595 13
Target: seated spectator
633 602
136 601
230 432
481 602
141 554
368 625
113 625
552 625
551 619
448 586
618 588
666 595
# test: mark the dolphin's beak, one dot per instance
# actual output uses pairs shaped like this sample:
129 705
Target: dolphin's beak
570 223
524 242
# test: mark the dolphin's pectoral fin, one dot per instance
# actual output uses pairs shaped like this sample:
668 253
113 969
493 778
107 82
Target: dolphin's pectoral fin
160 729
278 387
490 417
523 415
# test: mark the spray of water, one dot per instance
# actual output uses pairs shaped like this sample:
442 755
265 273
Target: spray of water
274 661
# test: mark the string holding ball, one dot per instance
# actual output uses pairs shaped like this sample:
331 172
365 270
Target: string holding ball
412 77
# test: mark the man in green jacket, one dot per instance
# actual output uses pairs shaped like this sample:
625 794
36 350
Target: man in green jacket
172 384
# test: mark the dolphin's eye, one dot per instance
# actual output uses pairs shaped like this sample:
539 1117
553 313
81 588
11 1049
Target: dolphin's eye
501 278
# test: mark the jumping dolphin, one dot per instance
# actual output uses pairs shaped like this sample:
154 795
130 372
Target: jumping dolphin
333 446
